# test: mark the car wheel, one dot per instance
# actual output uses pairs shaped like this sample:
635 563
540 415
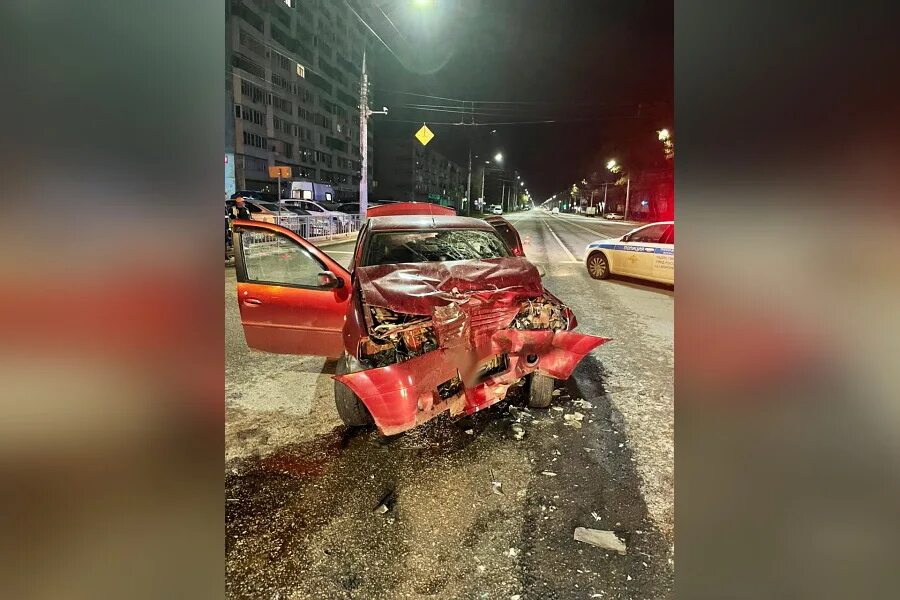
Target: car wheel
540 390
598 266
350 408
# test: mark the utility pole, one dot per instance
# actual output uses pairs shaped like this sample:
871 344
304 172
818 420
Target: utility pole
364 114
605 187
483 169
469 182
503 196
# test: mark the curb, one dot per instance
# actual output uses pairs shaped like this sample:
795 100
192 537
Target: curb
331 242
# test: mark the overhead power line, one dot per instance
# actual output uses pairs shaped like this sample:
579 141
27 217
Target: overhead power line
469 101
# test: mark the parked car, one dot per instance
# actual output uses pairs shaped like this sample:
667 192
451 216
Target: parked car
555 210
647 252
255 195
496 210
352 208
433 314
260 211
508 233
317 210
614 216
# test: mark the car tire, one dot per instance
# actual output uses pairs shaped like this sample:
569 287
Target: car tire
350 408
540 390
598 265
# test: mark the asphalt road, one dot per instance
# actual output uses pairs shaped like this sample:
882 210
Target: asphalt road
301 491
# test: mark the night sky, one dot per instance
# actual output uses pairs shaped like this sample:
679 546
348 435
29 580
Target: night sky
602 70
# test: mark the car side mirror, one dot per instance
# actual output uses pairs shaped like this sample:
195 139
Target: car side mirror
625 238
329 280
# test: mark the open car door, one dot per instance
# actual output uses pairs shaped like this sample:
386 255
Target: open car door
292 296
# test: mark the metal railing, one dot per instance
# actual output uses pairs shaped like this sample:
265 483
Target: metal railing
319 228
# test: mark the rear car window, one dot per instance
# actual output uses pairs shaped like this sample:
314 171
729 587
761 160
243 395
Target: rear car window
506 233
391 247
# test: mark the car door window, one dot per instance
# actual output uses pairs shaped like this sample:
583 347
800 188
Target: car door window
274 259
648 235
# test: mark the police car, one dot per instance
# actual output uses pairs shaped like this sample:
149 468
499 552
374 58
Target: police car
647 252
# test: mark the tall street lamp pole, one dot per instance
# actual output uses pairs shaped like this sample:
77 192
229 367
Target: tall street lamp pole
364 114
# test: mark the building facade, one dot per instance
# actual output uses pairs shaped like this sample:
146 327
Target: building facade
407 171
293 88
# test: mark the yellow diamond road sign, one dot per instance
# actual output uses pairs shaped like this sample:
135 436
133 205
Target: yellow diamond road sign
424 135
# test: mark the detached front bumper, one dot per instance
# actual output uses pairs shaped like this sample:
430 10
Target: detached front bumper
403 395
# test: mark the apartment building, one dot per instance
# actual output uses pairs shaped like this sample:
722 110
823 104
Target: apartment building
408 171
293 84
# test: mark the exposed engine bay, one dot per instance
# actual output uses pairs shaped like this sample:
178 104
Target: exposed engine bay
395 338
455 336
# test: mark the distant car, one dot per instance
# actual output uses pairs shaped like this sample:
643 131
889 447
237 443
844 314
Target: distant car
614 216
496 210
647 252
555 210
508 233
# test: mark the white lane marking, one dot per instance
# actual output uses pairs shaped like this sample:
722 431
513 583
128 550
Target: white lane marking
340 252
571 222
563 246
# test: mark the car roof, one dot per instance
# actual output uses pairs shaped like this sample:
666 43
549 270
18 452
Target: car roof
407 222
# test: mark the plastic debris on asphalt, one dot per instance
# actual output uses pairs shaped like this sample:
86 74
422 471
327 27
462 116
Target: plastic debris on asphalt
518 431
600 538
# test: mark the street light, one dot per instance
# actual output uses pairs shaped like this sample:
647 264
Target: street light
498 157
663 134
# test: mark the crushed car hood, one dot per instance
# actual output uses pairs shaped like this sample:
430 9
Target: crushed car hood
417 288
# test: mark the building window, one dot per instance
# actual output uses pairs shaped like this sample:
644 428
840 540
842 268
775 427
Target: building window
254 140
301 71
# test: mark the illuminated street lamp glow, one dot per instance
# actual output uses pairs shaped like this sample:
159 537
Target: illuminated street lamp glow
663 134
521 183
611 164
423 2
498 157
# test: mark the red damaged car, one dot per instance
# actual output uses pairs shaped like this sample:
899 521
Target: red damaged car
436 313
